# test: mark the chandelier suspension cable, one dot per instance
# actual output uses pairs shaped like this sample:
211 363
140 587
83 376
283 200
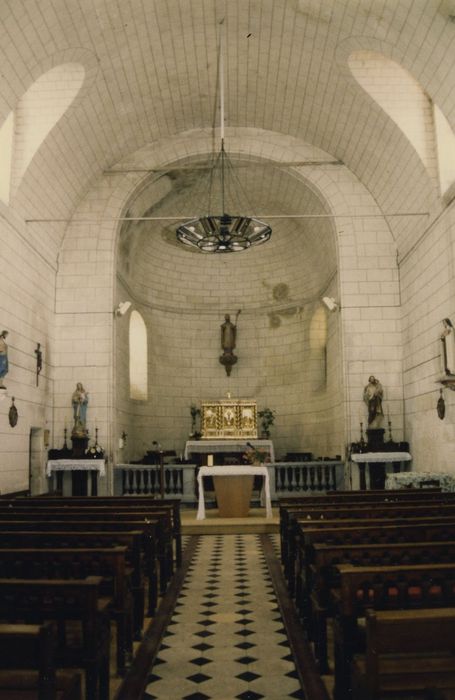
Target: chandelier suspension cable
223 232
221 79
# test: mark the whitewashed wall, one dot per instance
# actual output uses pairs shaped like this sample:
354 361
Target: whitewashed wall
428 296
27 293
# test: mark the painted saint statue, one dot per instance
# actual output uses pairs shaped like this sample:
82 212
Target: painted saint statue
3 356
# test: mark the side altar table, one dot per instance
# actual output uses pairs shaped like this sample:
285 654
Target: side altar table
378 458
91 466
233 472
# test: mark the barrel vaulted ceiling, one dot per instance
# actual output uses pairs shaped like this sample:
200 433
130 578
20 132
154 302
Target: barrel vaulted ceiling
151 74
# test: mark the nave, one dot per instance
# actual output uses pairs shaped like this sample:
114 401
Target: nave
225 638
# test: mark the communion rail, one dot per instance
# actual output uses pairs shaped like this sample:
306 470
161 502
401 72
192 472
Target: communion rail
286 479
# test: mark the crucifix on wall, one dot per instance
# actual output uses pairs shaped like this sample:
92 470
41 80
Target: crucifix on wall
39 361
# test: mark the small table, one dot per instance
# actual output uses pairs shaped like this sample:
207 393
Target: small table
94 466
379 459
232 471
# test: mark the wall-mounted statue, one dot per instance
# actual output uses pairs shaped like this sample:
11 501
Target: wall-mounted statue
372 395
79 401
448 347
3 357
228 342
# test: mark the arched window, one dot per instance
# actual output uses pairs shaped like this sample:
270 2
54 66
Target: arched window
445 144
318 350
39 110
6 149
138 357
402 98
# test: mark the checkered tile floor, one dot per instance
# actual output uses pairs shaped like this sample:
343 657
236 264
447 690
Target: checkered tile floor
226 639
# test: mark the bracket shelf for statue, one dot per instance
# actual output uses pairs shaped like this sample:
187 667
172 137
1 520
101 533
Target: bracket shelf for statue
448 381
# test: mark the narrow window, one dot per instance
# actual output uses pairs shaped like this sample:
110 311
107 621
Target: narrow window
318 350
6 149
445 143
138 357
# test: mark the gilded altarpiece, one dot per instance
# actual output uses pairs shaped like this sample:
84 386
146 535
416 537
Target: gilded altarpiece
229 418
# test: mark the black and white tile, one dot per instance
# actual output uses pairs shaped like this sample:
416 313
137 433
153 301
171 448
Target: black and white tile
226 639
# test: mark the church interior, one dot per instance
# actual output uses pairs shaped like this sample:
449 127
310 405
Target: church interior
227 237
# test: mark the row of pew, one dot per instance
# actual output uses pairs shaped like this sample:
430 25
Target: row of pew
378 569
77 574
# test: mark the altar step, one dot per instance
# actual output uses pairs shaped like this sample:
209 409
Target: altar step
256 523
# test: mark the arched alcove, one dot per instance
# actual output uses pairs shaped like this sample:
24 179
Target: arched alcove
183 296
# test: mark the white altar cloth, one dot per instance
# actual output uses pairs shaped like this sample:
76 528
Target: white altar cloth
233 470
63 465
211 446
381 457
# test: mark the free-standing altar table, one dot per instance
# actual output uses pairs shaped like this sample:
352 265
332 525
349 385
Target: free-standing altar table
233 471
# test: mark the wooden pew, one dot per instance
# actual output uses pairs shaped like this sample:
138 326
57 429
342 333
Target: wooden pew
55 522
321 576
28 665
173 504
62 539
110 563
300 526
408 587
413 531
406 650
162 521
35 601
354 512
295 503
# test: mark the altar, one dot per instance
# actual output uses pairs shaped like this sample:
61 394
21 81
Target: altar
79 469
213 446
377 464
234 472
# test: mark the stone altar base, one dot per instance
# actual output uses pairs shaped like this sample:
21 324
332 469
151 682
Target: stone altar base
233 495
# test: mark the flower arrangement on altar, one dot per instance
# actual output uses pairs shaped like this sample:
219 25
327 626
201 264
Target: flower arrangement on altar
256 455
95 451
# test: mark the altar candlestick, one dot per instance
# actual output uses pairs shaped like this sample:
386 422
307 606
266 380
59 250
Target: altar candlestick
210 460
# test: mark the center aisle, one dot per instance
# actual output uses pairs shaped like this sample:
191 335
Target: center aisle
226 638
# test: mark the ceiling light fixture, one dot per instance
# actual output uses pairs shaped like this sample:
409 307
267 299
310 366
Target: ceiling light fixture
122 308
330 303
224 233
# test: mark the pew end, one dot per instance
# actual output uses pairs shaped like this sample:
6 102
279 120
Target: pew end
406 651
28 665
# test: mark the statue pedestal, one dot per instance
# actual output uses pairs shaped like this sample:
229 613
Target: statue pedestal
79 478
375 437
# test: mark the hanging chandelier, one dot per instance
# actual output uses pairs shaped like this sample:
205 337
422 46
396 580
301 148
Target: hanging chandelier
223 233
